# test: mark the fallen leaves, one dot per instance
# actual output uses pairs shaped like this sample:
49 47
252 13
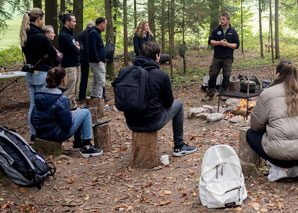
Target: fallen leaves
162 203
70 180
167 192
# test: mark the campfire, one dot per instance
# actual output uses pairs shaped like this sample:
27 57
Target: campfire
241 109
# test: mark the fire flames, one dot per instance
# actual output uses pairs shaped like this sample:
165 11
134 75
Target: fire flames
241 108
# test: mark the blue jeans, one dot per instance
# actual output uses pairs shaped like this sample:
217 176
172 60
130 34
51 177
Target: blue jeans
174 113
35 83
82 125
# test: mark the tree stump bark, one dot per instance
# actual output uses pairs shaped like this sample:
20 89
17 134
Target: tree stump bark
144 148
234 85
93 111
102 137
44 147
99 103
250 160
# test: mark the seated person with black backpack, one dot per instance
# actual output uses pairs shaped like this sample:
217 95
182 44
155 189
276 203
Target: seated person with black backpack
161 104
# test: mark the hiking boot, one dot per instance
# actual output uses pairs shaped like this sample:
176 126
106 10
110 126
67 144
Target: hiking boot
276 173
91 151
185 149
223 98
209 96
293 172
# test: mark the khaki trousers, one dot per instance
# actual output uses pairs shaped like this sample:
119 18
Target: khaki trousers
73 85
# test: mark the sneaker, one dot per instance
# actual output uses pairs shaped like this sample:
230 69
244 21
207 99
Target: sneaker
223 98
184 150
293 172
209 96
91 151
276 173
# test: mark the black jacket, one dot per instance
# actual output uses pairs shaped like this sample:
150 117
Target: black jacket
83 39
138 41
231 37
96 46
67 45
36 47
161 95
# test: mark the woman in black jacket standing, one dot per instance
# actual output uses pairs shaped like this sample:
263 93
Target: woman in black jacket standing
141 35
36 48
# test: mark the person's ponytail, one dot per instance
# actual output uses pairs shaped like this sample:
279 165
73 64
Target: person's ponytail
24 29
55 76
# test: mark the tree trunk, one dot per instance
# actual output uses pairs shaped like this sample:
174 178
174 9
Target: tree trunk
242 46
109 35
51 17
135 12
151 16
125 40
271 32
62 6
261 34
78 12
213 14
171 40
277 54
163 26
183 38
102 137
37 3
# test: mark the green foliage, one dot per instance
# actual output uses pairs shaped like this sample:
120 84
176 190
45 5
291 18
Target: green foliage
10 56
11 35
192 76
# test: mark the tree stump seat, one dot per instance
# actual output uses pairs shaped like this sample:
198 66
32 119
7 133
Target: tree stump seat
250 160
99 104
102 137
45 147
144 148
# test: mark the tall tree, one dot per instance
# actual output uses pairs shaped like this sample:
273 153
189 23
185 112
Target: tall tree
183 35
62 6
125 41
51 17
242 47
135 13
151 16
271 30
277 54
214 6
163 26
78 12
172 36
260 28
37 3
109 34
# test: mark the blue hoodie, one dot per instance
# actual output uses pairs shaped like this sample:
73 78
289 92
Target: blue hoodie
51 116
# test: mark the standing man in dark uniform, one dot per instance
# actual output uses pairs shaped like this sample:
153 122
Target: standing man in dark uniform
84 59
225 39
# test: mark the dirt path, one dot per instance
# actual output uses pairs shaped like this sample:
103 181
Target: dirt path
109 183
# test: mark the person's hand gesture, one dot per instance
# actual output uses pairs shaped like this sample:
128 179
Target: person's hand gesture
78 45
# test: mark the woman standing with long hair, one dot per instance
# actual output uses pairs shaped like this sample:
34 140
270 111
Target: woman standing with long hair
36 48
141 35
274 123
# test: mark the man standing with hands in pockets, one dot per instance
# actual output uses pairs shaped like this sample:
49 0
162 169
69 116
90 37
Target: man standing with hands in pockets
225 39
97 57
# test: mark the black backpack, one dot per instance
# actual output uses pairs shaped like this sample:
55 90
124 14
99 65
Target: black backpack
131 89
20 162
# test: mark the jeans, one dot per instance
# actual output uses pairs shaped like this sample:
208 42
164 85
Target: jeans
82 125
35 82
99 79
217 64
84 79
174 113
254 139
73 84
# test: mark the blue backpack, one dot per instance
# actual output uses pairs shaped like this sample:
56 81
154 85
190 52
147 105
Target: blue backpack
131 89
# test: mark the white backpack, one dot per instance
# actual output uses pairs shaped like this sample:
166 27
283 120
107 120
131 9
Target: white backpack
221 183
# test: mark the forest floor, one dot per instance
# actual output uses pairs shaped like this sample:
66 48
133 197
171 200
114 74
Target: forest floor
109 183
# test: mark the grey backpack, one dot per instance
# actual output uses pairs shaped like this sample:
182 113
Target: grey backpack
20 162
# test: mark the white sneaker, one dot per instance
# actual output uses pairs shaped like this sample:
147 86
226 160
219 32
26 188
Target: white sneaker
293 172
276 173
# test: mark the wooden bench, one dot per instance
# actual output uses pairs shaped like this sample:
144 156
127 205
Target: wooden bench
44 147
144 148
250 160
